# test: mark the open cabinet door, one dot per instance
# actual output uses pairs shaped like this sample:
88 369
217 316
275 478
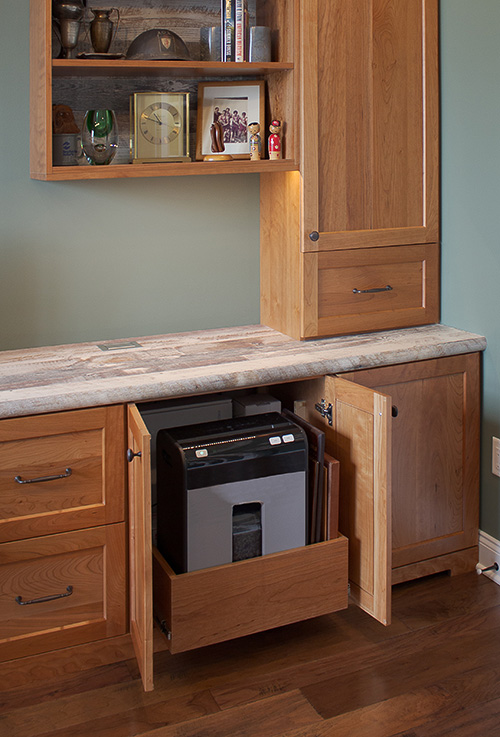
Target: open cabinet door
361 442
140 546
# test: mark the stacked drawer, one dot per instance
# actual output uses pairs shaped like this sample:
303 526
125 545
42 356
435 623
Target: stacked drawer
62 530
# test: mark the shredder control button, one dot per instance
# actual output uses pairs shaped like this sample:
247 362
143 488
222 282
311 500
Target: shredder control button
288 438
276 440
201 453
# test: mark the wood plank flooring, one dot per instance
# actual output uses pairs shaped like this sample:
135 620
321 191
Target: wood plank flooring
435 672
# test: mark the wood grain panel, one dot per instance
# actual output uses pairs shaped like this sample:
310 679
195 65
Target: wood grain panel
435 455
371 172
398 114
412 272
140 545
220 603
280 258
361 442
90 443
91 561
462 561
40 89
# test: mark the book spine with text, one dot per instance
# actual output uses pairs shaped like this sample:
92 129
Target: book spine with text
239 30
228 25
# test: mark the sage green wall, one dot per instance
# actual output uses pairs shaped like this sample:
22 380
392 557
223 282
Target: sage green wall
97 260
470 68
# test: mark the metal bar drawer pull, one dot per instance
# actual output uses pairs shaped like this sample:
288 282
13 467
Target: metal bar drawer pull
64 475
42 599
387 288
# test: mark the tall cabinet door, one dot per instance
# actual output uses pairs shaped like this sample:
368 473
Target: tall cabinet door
359 436
370 123
140 544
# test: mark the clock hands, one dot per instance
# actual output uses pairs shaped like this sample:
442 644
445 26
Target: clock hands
156 119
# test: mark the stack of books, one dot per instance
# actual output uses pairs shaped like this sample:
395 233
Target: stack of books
234 30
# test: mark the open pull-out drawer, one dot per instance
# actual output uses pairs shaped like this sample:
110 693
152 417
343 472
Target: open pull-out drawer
220 603
215 604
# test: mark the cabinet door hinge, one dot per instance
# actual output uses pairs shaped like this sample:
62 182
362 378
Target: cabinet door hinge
325 410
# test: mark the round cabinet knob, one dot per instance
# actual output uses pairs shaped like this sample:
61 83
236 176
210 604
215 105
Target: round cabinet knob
314 236
131 455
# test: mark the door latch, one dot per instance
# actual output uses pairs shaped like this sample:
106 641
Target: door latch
325 410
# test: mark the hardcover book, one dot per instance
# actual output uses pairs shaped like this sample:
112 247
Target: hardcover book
228 11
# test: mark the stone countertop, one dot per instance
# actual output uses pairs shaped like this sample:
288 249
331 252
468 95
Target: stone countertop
84 375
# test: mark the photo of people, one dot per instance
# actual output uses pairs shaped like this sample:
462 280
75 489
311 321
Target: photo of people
232 114
226 109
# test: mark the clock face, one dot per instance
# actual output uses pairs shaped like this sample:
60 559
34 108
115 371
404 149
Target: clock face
159 126
160 123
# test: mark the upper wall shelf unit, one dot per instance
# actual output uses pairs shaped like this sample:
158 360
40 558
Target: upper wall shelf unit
84 83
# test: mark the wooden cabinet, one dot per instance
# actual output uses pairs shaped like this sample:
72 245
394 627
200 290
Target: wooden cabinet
89 83
215 604
435 462
62 530
369 175
406 437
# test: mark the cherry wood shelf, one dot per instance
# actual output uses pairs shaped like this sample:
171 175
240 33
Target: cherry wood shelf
126 68
130 171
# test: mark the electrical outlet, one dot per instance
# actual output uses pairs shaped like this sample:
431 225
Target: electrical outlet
495 457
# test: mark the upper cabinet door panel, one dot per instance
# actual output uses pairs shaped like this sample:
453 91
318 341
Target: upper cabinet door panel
370 122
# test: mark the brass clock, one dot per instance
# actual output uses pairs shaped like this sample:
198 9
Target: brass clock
159 127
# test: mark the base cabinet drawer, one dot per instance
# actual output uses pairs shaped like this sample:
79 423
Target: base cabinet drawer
216 604
61 472
371 289
62 590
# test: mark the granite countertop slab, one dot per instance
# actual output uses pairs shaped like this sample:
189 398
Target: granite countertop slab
82 375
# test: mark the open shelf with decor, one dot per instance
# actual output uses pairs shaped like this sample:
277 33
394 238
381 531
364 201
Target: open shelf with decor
109 80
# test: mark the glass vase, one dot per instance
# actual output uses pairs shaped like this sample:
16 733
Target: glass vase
99 136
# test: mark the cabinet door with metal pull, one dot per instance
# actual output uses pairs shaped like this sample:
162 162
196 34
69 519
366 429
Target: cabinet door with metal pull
62 590
61 472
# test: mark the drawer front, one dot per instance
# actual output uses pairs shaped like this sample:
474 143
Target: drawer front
217 604
371 289
62 590
61 472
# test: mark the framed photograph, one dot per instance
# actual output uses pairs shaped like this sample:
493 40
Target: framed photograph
234 105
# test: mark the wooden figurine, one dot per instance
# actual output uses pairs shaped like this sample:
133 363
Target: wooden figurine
217 145
217 137
274 140
255 141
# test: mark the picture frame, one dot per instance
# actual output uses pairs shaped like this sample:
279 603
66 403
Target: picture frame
245 103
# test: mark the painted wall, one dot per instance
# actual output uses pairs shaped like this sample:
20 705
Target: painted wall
98 260
470 68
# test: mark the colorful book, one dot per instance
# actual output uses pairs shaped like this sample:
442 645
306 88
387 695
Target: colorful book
240 20
228 24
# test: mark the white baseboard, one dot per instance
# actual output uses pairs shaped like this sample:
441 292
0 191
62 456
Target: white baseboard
489 553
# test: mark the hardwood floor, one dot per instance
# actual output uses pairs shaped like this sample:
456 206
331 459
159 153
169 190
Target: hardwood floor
435 672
